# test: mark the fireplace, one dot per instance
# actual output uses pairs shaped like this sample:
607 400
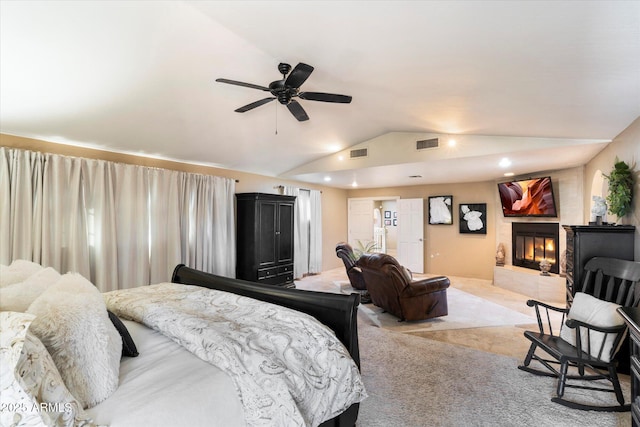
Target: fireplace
534 241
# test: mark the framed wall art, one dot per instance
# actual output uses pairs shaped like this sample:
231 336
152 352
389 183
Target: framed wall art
473 218
441 210
387 214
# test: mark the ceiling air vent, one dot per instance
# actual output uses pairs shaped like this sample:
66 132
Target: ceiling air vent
427 143
361 152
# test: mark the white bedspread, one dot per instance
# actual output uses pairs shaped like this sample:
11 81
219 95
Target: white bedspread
287 367
167 386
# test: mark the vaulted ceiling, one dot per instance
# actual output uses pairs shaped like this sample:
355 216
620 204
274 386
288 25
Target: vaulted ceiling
546 84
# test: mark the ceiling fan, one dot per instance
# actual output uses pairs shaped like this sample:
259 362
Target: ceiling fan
287 89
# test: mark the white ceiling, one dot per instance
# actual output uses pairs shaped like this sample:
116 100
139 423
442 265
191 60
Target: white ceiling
552 81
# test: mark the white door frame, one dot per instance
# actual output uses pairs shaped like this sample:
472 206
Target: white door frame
411 238
350 220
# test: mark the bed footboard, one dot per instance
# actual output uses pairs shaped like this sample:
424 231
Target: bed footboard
337 311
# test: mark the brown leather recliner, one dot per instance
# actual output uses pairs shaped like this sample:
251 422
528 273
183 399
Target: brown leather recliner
392 289
344 251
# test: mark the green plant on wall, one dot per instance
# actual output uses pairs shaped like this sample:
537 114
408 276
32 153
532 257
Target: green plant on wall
620 189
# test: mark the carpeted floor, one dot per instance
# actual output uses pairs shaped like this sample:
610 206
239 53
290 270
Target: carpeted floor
460 377
413 381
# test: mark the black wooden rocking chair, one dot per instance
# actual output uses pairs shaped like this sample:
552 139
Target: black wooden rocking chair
596 340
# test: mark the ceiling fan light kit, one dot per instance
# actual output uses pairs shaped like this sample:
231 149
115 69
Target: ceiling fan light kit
286 89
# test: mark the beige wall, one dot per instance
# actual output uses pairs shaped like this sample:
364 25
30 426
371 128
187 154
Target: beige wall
625 146
446 250
334 209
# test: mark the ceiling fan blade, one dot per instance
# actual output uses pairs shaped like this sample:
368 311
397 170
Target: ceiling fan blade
237 83
325 97
254 105
299 75
297 111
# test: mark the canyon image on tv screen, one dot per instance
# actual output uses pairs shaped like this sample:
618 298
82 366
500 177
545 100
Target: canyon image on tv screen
528 197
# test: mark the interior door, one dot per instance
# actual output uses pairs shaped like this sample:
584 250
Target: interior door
360 221
411 234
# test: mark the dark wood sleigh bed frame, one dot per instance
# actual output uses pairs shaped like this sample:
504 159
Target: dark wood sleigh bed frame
337 311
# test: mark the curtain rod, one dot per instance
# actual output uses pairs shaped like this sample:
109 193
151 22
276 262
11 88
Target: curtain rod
281 187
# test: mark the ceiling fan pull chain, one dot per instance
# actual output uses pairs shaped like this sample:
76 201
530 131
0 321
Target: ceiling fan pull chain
276 105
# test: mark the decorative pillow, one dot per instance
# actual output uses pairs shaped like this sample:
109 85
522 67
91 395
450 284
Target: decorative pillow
19 296
16 402
31 381
597 312
17 272
72 322
128 346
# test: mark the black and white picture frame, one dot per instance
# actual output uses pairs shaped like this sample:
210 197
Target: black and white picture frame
395 222
387 222
387 214
441 210
473 218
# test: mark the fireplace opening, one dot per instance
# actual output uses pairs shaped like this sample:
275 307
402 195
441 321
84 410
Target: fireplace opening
534 241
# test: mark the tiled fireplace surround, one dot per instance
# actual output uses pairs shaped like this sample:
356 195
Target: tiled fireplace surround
531 242
569 190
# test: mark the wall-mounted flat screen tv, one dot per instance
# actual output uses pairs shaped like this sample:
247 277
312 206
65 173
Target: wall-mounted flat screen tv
528 197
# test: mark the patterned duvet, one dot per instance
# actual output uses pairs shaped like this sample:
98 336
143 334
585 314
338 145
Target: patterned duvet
288 368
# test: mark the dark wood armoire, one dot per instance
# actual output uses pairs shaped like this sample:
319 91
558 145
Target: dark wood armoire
264 230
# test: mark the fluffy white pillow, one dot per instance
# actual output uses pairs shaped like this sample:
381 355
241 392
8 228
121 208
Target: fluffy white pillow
72 322
19 296
30 378
13 329
597 312
17 272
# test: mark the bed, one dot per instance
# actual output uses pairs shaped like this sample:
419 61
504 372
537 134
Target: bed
266 356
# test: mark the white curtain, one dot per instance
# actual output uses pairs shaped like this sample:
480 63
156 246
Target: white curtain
300 234
315 232
165 223
63 224
207 211
21 210
307 229
101 227
118 225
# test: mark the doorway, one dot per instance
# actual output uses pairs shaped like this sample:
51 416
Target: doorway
371 225
376 222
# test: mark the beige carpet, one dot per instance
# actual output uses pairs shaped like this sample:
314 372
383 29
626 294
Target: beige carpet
465 311
418 382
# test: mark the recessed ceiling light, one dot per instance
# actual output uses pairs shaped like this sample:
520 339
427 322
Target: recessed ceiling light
327 178
354 184
341 158
452 142
509 174
505 162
